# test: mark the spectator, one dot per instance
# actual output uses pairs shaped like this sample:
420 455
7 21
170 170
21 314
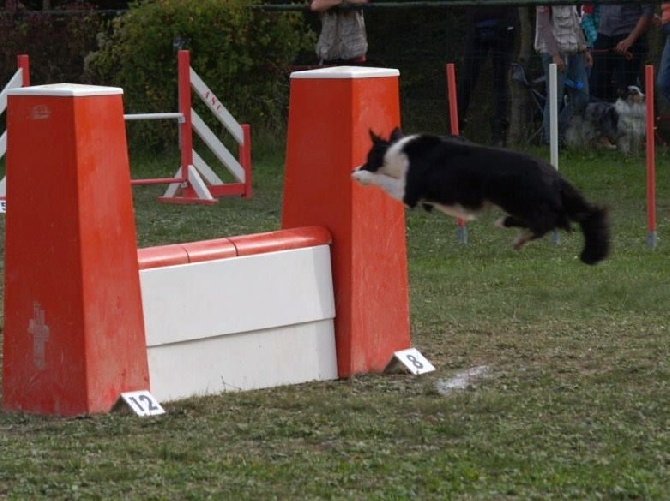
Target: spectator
491 31
663 79
590 21
560 40
343 38
620 48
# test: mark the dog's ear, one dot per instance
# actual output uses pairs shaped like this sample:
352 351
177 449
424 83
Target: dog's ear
396 135
375 138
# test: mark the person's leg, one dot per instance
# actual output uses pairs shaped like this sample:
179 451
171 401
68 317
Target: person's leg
663 79
577 91
473 59
626 68
501 58
600 72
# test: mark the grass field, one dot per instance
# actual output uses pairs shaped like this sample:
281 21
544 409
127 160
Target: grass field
573 401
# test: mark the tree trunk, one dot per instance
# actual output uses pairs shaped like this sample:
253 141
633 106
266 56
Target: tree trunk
519 94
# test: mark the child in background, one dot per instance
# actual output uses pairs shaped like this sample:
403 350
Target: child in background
560 40
589 23
343 38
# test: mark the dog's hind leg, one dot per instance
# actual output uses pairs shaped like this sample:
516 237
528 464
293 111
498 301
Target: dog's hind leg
525 237
510 222
514 222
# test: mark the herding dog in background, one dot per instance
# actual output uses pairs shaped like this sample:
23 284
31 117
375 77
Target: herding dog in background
619 125
461 178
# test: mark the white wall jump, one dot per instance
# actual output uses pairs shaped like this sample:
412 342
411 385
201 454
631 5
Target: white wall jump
240 323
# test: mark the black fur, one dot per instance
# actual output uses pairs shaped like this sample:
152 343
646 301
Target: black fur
452 172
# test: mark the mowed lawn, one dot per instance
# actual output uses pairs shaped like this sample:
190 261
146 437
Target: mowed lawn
570 397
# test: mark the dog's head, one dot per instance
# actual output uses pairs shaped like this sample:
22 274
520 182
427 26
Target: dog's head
377 154
385 165
632 94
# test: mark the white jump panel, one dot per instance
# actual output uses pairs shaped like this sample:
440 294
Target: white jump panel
240 323
246 361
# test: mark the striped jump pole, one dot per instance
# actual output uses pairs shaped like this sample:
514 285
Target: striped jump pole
20 79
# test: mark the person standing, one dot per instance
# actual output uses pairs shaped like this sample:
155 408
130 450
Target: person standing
343 38
491 32
663 78
559 39
620 48
589 22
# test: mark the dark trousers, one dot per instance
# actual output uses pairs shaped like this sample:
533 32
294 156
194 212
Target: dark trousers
499 48
613 72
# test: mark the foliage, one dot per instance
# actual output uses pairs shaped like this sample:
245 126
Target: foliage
243 54
57 43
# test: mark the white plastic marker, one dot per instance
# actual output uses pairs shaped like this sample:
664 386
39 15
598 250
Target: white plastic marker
143 403
415 362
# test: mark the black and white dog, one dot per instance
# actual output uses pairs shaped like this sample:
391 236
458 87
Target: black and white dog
618 125
461 178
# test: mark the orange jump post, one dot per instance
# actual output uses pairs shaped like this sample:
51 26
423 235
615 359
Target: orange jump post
330 113
74 332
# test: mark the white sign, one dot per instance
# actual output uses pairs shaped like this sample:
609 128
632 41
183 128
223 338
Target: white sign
3 206
414 361
143 403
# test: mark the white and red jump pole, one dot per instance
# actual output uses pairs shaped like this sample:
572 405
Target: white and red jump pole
21 78
87 318
195 181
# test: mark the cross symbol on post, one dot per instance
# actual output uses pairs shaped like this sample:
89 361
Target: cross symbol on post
40 331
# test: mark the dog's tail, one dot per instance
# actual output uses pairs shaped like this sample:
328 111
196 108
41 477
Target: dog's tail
593 220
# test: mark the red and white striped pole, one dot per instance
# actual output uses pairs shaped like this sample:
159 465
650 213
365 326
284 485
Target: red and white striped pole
186 126
23 62
245 160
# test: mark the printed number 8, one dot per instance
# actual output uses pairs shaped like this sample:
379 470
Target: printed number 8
415 361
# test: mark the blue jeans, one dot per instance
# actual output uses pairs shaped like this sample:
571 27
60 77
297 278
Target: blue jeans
663 78
574 83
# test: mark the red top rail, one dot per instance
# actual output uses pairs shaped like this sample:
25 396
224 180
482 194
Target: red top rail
220 248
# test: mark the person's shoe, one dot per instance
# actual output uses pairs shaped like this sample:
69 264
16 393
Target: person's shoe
499 132
604 142
462 124
499 142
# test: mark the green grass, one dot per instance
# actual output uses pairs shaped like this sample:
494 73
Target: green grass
574 405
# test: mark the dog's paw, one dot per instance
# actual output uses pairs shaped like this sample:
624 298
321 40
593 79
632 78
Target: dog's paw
500 223
363 176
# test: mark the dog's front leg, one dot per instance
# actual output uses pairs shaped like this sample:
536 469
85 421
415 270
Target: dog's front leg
392 186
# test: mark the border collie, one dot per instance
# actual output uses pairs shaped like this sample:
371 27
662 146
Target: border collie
461 178
619 125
